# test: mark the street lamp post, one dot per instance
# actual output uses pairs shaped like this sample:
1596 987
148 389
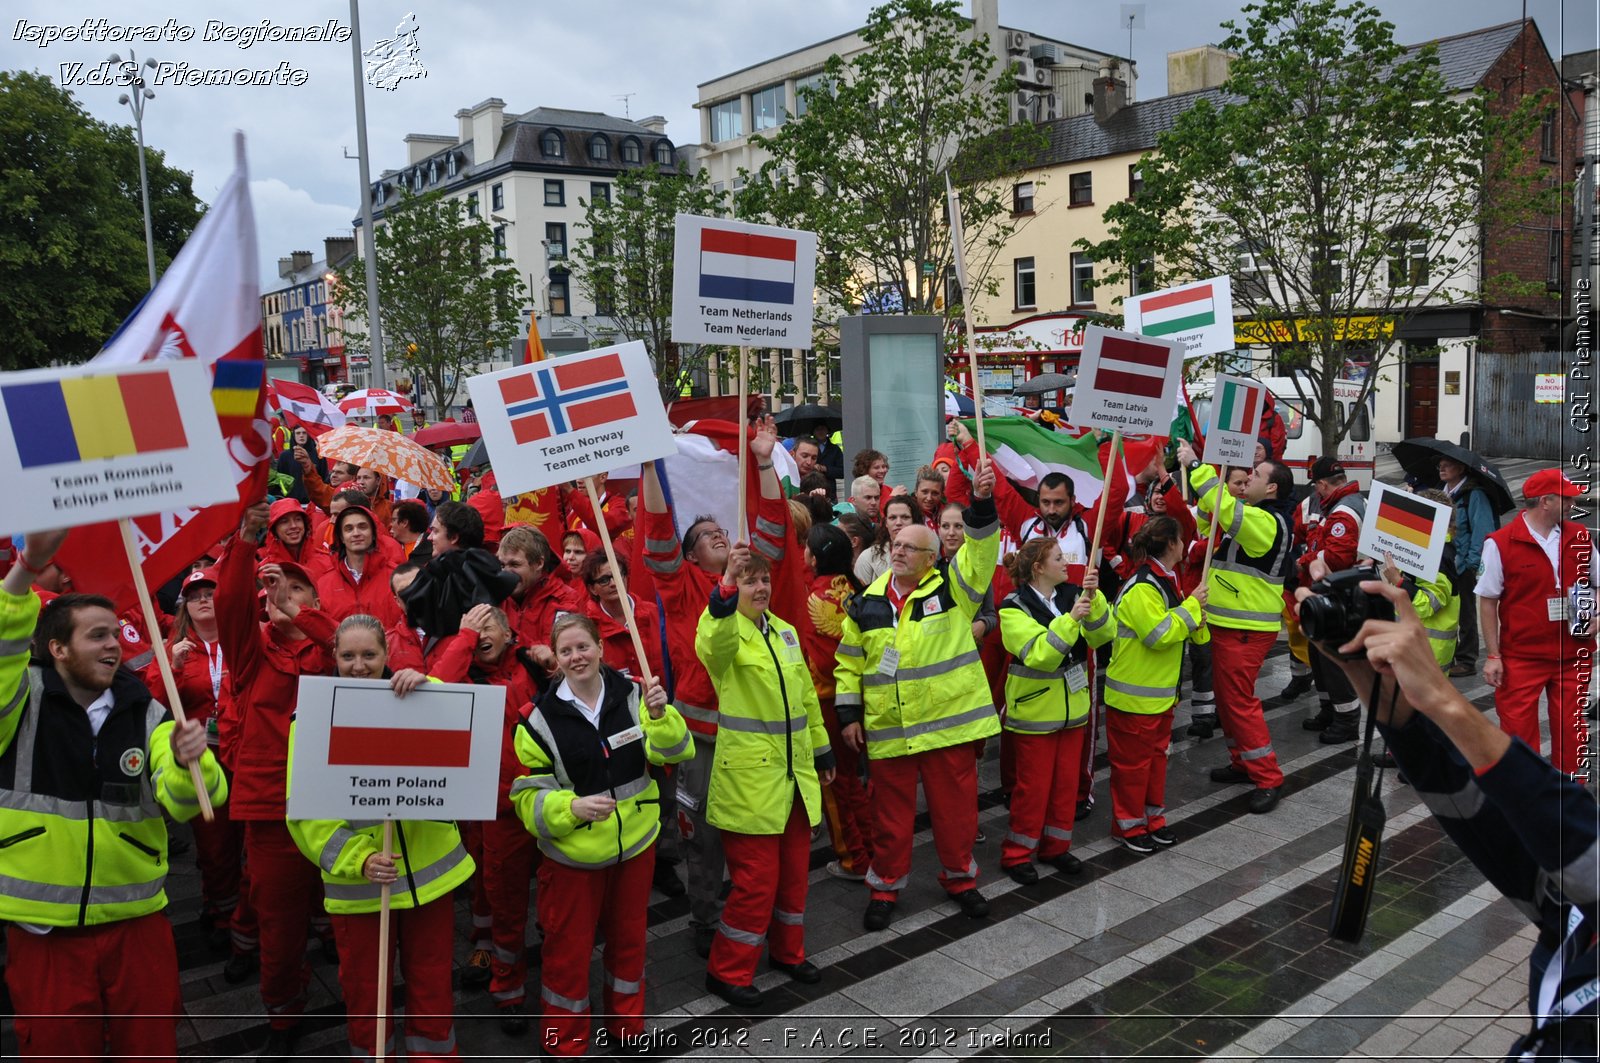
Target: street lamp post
135 102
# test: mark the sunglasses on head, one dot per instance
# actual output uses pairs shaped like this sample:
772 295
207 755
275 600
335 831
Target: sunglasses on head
602 581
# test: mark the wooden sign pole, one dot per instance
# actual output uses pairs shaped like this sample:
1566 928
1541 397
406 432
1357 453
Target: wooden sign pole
622 586
740 534
1105 489
383 950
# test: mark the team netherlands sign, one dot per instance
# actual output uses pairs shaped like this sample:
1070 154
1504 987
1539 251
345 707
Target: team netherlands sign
362 753
1198 315
1126 383
98 443
739 284
570 417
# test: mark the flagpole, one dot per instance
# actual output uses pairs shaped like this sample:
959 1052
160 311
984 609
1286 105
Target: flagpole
383 946
622 586
958 253
374 328
153 630
744 444
1105 491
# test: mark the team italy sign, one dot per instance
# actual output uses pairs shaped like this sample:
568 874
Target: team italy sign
570 417
1198 315
96 443
739 284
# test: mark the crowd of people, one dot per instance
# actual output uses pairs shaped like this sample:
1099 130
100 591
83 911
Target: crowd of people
805 677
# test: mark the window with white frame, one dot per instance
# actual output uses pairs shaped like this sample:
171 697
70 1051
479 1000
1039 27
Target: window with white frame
1082 279
727 119
766 108
1023 277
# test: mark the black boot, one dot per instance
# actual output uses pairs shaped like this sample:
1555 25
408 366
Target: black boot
1299 686
1325 716
1341 729
1202 725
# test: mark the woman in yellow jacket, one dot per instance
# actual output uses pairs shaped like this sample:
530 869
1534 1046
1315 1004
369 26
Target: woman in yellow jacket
1153 623
589 798
765 794
427 864
1048 626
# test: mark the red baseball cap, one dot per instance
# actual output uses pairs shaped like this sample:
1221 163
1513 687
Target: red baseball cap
1550 482
203 575
293 570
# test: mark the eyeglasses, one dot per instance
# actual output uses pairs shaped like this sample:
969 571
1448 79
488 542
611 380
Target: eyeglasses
694 537
602 581
200 595
902 548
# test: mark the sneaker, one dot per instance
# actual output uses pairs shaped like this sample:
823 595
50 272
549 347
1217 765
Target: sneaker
804 972
514 1019
240 966
1138 843
1229 774
1084 809
475 975
1319 722
1298 687
973 904
1202 725
878 915
1163 836
836 869
980 838
740 996
1264 799
1024 873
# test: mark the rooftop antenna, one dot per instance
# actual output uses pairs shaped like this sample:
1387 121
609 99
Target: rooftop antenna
625 97
1132 16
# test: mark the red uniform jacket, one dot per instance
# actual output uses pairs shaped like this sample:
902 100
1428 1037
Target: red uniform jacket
511 673
534 616
1334 537
446 660
193 678
312 555
616 643
342 596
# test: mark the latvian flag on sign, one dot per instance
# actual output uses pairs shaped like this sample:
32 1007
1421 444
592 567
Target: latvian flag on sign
1406 517
746 267
1128 367
1183 310
1238 407
554 398
387 733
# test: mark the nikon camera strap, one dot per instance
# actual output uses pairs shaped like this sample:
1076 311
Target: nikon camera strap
1363 840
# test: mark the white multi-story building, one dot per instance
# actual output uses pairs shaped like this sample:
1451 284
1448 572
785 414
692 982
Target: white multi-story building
530 175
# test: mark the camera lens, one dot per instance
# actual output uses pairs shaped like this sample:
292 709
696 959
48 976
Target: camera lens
1321 617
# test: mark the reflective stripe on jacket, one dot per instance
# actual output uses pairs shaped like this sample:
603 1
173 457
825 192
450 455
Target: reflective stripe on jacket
1043 649
1247 568
1152 626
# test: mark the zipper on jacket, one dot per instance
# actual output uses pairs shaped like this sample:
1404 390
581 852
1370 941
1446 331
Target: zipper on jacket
411 882
154 854
88 869
31 832
783 690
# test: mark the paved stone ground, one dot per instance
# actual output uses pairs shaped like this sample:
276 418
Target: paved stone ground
1215 948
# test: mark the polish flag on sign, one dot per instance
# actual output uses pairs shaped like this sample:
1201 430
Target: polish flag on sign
386 733
305 407
749 267
555 398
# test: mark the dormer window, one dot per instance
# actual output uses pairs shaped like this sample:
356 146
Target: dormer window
663 153
416 179
631 151
550 144
450 164
599 148
433 172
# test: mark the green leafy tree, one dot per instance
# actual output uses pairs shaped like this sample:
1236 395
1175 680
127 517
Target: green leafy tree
865 166
1341 182
446 300
624 264
72 257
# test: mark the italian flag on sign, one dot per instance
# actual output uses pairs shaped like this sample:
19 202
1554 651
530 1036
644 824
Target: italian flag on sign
1238 406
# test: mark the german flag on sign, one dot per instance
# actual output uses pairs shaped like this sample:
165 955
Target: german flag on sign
1406 517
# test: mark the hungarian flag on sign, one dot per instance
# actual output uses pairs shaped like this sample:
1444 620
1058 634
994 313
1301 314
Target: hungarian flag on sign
1180 310
207 307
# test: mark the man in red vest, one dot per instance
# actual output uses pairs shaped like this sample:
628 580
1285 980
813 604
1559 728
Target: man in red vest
1536 612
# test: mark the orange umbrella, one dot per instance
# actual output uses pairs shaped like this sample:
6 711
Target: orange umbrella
390 453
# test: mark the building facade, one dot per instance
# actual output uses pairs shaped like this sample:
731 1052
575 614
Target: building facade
300 322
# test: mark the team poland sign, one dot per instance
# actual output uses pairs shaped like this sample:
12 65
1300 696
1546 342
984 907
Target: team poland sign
360 753
738 284
570 417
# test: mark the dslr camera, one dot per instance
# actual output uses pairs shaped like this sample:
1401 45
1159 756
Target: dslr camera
1338 607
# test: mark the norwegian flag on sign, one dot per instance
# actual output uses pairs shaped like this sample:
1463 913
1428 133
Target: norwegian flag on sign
554 398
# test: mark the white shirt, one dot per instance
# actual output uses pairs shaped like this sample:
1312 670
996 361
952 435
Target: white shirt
1492 583
590 712
99 709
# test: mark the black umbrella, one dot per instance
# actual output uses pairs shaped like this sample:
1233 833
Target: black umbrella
1420 457
803 420
1045 383
476 455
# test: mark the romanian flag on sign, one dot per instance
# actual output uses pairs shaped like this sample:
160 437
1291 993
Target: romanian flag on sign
83 418
1406 517
236 393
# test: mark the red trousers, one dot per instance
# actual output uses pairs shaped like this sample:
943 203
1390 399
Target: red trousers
1046 795
573 904
285 891
98 992
767 903
478 899
244 927
845 800
219 854
1516 702
950 784
425 937
506 871
1236 659
1137 745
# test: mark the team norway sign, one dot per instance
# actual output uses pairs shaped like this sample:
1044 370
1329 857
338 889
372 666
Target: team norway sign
360 753
738 284
570 417
1126 383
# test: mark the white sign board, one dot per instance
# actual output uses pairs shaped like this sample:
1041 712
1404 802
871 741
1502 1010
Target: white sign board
1126 382
1235 421
570 417
95 443
1410 528
362 753
1198 315
1549 387
738 284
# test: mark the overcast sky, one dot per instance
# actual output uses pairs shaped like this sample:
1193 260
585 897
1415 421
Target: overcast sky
580 54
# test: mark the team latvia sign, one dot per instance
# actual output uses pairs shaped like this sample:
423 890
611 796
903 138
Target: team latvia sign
362 753
1126 382
570 417
90 444
1408 528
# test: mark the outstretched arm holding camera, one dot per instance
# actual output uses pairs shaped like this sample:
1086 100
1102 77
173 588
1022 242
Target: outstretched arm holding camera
1528 827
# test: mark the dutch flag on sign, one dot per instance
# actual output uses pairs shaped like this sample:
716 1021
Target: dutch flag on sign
746 267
